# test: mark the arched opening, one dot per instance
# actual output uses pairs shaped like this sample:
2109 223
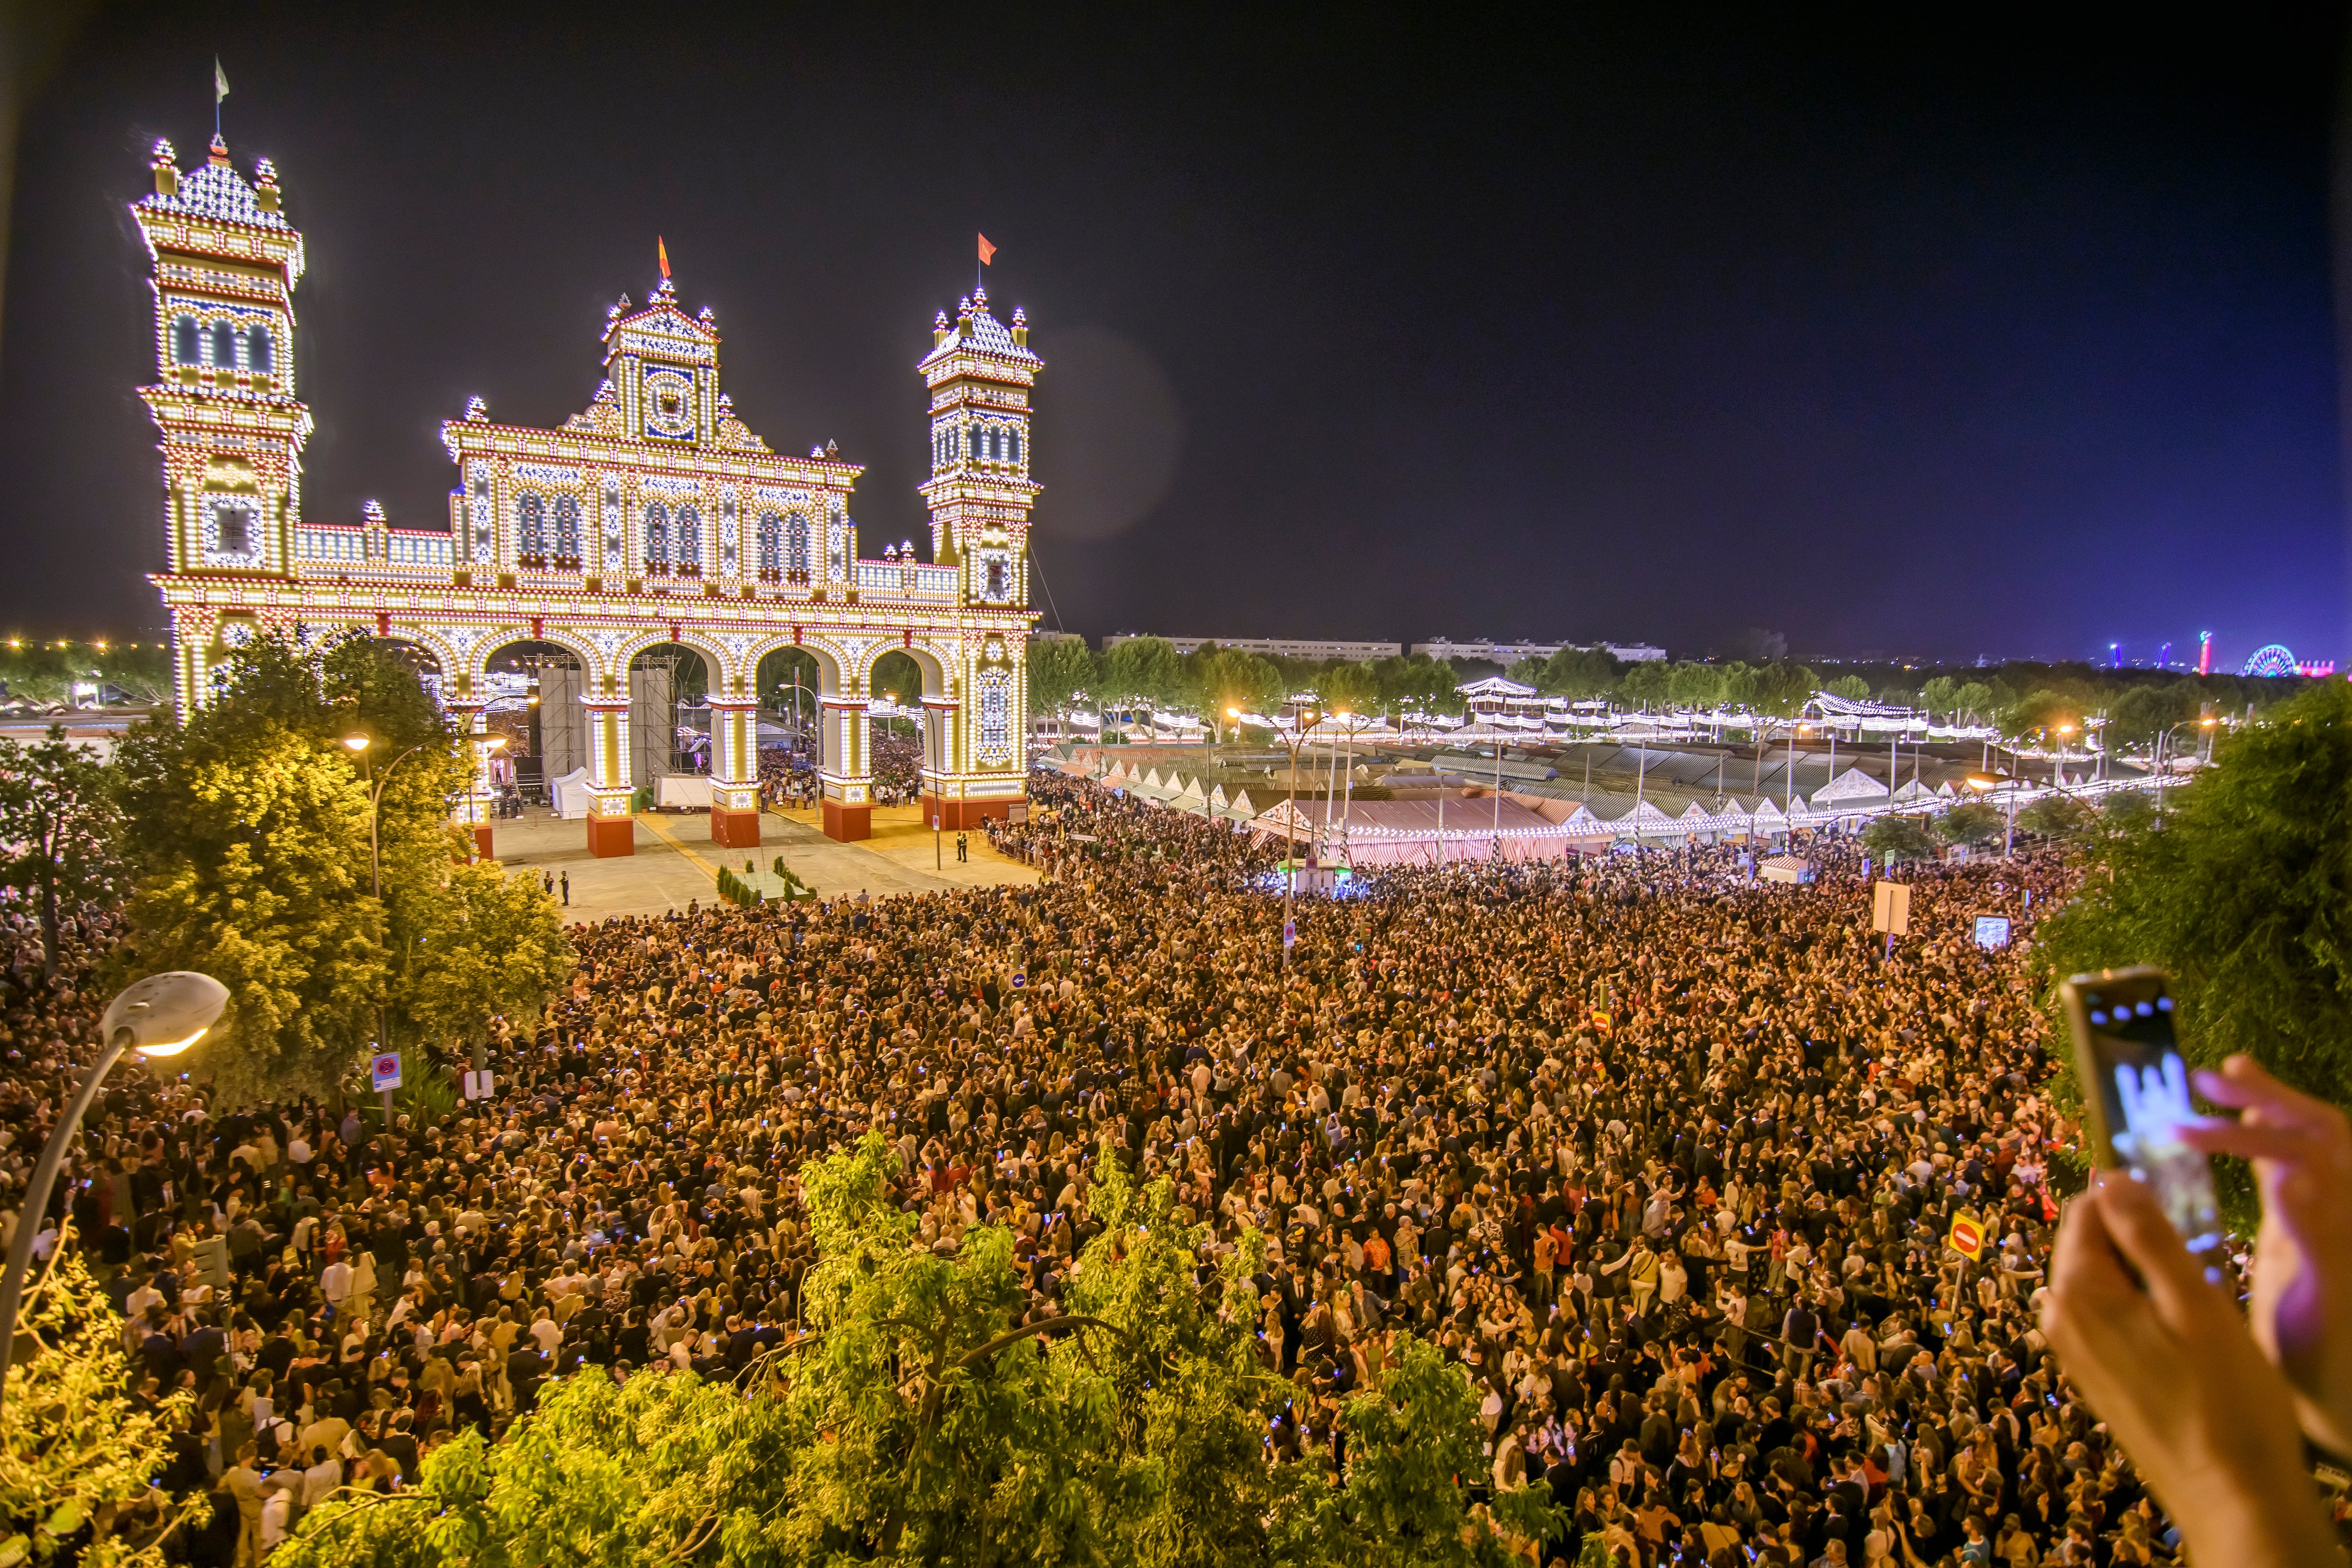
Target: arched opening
533 687
670 712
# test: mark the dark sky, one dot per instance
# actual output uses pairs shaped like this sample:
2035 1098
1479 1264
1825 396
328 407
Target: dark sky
1989 340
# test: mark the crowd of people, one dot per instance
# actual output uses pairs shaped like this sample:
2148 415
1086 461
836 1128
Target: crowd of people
1667 1159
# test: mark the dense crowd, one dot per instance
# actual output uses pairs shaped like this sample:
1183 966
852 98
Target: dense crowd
1666 1158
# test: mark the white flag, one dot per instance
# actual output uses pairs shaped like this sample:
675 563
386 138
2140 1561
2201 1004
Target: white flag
220 80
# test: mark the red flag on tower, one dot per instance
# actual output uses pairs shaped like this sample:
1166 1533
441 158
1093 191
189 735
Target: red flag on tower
987 251
663 251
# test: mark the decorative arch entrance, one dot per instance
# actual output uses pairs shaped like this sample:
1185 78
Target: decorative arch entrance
653 516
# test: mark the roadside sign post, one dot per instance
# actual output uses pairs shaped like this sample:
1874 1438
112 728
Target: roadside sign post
1890 912
383 1077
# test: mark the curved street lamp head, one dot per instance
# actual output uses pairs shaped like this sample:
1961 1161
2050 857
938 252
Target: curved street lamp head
165 1014
356 743
1988 780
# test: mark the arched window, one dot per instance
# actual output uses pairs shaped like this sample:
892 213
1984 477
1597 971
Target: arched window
975 443
567 528
772 546
796 556
530 525
256 350
656 538
223 346
689 539
188 344
1012 440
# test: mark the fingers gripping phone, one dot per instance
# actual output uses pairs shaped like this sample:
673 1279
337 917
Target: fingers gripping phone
2135 1089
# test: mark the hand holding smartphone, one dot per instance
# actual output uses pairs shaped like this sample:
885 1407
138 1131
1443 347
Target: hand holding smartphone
2136 1091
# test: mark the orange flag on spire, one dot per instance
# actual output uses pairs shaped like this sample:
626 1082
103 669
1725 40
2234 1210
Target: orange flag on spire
987 251
663 251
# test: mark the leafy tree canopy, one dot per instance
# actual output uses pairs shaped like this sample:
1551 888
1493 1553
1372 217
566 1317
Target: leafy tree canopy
2243 894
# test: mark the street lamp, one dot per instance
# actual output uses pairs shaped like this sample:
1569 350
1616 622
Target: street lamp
2206 723
1985 781
1306 717
159 1016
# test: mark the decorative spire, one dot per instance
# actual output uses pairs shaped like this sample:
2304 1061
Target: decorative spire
220 152
980 298
818 452
166 166
476 409
373 512
706 318
1019 327
265 184
833 448
603 391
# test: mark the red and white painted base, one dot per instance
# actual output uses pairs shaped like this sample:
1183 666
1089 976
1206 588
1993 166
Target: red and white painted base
612 836
847 824
735 830
955 815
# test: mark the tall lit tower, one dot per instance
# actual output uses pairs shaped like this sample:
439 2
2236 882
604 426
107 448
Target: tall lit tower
226 262
980 373
2205 653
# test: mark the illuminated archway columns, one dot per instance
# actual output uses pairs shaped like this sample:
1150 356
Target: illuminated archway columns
961 651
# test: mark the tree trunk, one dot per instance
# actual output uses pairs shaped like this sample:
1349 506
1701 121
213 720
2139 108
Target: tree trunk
49 924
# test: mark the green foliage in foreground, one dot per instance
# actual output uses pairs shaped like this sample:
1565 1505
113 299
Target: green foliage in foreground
2244 894
919 1421
76 1454
252 836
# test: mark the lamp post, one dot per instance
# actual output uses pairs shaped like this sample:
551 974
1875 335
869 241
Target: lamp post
2205 723
1983 782
159 1016
1305 716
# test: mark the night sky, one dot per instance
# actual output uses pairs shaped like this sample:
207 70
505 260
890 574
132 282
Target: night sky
1990 340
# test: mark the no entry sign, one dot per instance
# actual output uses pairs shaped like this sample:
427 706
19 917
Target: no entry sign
1968 1237
383 1072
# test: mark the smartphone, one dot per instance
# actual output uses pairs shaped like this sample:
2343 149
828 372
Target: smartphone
2136 1090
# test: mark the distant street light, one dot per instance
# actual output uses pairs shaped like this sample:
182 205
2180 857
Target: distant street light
159 1016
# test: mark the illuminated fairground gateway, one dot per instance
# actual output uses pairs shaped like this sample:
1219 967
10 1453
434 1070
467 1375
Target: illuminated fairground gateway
655 517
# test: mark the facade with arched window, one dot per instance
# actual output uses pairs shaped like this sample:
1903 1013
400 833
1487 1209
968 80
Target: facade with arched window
653 516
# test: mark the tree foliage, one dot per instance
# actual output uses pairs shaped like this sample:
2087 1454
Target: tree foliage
60 831
76 1453
254 845
1895 838
929 1415
2243 893
1972 823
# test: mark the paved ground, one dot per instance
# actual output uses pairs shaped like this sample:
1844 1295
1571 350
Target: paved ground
676 861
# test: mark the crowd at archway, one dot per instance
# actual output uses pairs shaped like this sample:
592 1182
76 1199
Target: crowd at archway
1664 1157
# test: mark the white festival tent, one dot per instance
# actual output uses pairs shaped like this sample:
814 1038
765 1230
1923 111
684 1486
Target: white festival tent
570 792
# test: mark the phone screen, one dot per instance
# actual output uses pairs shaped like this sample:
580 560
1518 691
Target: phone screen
2142 1083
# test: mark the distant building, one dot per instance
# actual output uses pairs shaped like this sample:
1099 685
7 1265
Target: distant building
1507 654
1038 636
1275 647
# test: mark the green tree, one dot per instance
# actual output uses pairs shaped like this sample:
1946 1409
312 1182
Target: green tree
495 945
1648 685
1412 1442
77 1452
1782 688
1893 839
249 841
1578 674
1061 670
1972 823
1356 687
2144 712
2056 816
1143 673
1853 687
1940 695
2244 894
60 831
254 841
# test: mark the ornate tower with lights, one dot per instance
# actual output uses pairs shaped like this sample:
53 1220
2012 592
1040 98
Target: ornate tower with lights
981 374
226 262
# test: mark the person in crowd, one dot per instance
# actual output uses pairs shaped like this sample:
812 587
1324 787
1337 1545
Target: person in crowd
1665 1158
